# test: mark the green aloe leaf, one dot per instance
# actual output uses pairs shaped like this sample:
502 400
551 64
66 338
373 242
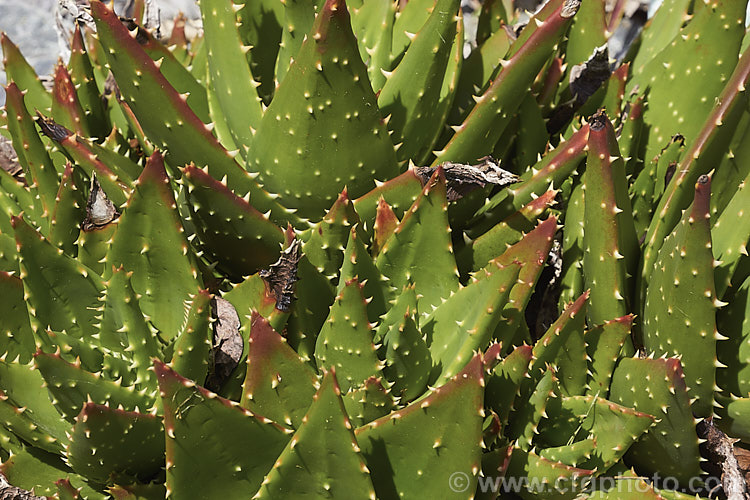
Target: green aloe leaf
33 156
84 79
66 109
19 71
27 410
107 442
34 469
657 387
707 147
440 433
603 347
230 464
71 387
369 402
165 114
420 249
301 147
358 264
18 343
346 339
504 382
609 240
278 383
49 275
680 310
410 94
323 458
69 212
192 348
237 95
150 242
242 239
492 114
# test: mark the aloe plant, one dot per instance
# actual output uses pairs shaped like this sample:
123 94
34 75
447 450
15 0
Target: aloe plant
317 252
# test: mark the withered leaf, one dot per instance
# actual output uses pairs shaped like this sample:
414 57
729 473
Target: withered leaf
541 311
227 346
282 275
462 178
52 129
719 450
100 211
9 158
587 77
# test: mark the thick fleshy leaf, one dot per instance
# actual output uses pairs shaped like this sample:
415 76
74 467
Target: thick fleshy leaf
16 337
571 278
420 249
733 322
242 239
708 145
70 210
603 346
33 469
192 348
260 28
368 402
150 241
71 387
563 347
609 241
529 411
439 433
87 91
505 380
19 71
358 264
32 154
61 293
107 442
541 474
494 110
227 63
730 236
466 321
322 459
614 428
241 451
346 339
27 410
125 330
166 116
496 241
301 147
66 109
552 170
372 24
410 95
701 58
91 158
278 383
680 309
657 387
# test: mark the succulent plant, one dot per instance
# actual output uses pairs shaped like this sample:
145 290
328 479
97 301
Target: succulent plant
317 252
